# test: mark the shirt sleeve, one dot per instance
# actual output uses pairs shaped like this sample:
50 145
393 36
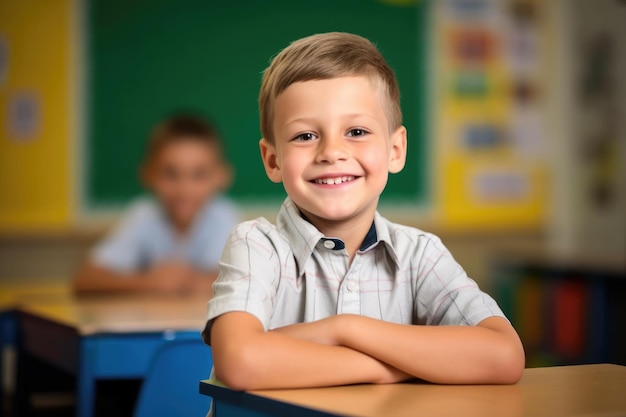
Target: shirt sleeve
120 250
248 275
221 220
445 295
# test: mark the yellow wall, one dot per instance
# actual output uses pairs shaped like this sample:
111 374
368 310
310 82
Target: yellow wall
35 170
460 171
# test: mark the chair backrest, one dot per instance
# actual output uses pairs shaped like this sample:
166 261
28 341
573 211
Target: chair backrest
171 387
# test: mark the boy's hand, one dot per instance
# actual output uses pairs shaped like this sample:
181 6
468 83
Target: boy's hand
323 332
170 277
328 332
247 357
392 375
203 283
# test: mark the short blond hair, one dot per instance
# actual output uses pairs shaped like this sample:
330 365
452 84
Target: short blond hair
326 56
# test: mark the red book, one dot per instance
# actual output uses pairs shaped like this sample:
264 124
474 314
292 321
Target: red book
570 319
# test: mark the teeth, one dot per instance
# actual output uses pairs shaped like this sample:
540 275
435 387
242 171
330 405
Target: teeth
333 181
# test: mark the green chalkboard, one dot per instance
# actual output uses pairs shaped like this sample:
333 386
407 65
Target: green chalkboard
147 58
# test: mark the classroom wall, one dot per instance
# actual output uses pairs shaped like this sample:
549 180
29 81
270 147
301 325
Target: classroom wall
36 92
588 206
39 190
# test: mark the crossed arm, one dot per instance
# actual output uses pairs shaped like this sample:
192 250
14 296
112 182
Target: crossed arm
164 278
347 349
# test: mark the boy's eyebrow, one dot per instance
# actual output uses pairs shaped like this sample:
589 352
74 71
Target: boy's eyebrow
310 119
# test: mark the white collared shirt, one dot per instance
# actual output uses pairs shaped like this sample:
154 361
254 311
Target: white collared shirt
290 273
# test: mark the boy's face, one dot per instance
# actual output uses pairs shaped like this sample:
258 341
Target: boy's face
183 175
333 148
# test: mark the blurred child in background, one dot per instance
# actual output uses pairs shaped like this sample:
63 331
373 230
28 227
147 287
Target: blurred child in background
171 241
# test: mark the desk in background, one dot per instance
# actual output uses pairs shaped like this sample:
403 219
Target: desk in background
589 390
95 337
13 295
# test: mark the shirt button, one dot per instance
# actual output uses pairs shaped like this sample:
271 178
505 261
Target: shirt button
329 244
352 286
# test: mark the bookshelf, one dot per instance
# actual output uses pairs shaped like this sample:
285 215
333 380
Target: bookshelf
567 308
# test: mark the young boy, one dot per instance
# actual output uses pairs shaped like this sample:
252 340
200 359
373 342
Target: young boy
334 293
170 243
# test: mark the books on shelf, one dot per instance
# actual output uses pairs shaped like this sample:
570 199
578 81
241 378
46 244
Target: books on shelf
565 316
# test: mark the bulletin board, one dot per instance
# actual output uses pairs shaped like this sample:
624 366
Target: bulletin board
147 58
490 164
36 54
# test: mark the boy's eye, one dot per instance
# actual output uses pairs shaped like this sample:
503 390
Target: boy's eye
357 132
304 137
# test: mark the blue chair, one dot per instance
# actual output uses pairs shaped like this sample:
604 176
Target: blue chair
171 387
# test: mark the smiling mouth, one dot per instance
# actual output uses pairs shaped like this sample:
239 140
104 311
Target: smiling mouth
334 180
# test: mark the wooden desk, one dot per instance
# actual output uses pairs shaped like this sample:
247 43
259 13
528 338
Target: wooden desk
98 337
585 390
12 295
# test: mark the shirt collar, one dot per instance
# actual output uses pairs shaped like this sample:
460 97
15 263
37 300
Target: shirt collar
370 238
383 236
303 236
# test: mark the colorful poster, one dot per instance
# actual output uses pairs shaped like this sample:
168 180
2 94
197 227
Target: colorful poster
489 129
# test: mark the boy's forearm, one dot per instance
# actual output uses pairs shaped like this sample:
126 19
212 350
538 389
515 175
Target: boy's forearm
93 278
265 360
203 281
285 362
485 354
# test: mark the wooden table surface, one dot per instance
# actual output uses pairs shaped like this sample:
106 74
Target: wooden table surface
15 293
105 313
586 390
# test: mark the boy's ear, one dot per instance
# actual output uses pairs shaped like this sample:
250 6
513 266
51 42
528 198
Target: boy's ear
270 161
145 175
226 176
397 153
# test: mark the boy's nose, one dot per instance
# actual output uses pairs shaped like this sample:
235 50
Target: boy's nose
331 150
